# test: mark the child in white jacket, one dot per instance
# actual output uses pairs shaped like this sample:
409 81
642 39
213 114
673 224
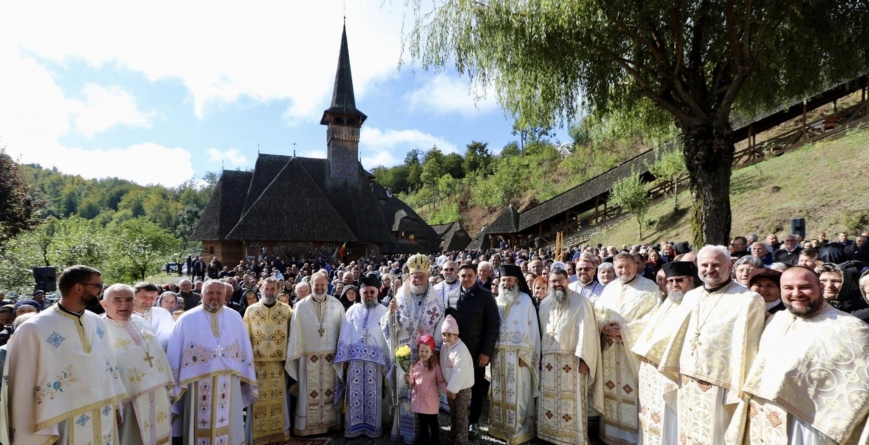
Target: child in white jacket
458 370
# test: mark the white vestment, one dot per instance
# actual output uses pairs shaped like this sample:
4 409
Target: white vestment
61 383
362 349
630 304
212 361
148 379
570 335
311 350
709 355
657 393
416 315
162 323
514 388
809 384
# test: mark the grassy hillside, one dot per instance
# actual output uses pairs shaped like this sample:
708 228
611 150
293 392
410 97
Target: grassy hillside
826 183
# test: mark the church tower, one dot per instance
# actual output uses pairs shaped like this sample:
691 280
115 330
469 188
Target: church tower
343 121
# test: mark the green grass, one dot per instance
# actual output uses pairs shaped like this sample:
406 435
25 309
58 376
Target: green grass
827 183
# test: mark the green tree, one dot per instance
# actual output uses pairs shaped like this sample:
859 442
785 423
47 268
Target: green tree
668 169
652 64
477 157
511 149
452 165
631 195
432 171
414 168
19 209
140 247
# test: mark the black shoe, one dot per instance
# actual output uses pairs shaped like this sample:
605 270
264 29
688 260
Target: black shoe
474 432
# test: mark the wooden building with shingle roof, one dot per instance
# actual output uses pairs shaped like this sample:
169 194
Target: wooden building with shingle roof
302 207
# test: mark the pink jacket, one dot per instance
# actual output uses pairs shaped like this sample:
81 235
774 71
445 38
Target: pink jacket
425 398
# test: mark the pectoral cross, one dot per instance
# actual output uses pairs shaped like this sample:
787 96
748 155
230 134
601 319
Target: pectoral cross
321 330
149 359
695 342
219 350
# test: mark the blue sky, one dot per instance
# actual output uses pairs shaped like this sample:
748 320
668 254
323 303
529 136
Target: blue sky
164 91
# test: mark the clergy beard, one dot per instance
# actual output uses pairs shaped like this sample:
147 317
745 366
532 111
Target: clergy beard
808 311
626 278
268 300
418 290
319 297
510 293
559 295
370 303
675 295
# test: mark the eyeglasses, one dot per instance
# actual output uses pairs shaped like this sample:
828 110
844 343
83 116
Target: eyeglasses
449 269
676 280
92 284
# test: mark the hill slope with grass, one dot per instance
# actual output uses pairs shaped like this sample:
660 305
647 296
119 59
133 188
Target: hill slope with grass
827 183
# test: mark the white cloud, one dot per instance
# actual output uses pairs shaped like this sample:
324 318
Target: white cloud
445 94
36 114
104 108
389 147
221 50
233 156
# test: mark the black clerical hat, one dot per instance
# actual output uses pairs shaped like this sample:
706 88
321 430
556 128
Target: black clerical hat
679 269
369 281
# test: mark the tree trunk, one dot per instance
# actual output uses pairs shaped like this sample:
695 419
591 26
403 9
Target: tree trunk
709 151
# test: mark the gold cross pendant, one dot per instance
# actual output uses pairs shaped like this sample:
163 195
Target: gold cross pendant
148 358
321 331
695 342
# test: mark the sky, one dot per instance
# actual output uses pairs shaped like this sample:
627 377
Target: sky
161 92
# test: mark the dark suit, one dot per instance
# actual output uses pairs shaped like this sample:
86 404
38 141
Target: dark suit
476 313
779 307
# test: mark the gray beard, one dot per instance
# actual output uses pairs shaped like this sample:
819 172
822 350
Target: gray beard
675 295
370 303
269 300
559 295
510 293
319 297
418 290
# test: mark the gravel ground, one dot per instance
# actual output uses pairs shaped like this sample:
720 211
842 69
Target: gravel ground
444 418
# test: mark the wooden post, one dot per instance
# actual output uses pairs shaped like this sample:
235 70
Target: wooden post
804 119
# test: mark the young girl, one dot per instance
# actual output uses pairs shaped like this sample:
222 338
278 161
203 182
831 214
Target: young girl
458 369
425 378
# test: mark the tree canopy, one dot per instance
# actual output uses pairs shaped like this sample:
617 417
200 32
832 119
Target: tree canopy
651 65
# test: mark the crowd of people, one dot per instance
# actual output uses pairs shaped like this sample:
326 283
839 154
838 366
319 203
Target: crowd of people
754 342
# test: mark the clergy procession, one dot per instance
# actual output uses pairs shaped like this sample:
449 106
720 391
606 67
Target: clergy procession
614 352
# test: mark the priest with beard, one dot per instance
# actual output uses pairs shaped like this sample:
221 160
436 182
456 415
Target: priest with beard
49 395
144 370
657 394
361 363
714 343
585 283
515 363
415 311
212 361
571 363
622 312
808 384
313 344
268 325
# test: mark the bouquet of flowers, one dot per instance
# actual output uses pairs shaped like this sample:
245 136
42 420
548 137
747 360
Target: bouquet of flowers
402 356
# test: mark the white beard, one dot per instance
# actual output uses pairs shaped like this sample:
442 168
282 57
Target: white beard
510 294
319 297
418 290
675 295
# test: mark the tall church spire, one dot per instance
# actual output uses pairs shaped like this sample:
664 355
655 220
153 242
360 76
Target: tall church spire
343 99
344 121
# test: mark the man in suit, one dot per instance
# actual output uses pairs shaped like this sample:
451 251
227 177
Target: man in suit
476 312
